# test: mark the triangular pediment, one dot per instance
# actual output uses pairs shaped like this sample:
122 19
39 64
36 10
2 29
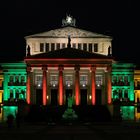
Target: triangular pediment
65 31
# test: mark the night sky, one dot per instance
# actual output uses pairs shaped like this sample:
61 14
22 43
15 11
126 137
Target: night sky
117 18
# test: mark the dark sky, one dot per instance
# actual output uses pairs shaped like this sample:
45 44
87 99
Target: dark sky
117 18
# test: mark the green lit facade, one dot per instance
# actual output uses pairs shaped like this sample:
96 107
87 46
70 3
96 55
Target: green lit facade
123 82
53 68
14 81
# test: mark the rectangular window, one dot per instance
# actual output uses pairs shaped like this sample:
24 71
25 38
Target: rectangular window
99 80
53 80
63 45
38 81
95 47
126 93
58 46
126 82
114 82
120 93
23 80
85 47
47 47
17 80
52 46
11 94
41 47
68 80
79 46
90 47
11 81
83 80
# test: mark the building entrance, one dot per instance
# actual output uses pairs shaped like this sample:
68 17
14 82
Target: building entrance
54 100
83 96
39 96
98 97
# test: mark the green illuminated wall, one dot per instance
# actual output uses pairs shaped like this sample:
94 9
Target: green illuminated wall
128 112
123 82
14 81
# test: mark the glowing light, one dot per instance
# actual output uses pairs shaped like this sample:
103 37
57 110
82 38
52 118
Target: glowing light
38 85
84 85
60 87
44 86
109 86
47 97
90 97
98 85
68 85
28 89
53 85
93 86
77 87
1 96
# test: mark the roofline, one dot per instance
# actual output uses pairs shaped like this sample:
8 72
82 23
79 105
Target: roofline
36 34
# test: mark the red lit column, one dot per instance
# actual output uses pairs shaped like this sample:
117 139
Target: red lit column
60 85
109 86
77 85
28 91
44 84
93 84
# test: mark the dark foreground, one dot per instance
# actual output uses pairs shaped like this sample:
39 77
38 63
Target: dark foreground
70 131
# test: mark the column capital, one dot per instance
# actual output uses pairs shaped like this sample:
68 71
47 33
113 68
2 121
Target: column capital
77 68
60 68
93 68
44 68
109 68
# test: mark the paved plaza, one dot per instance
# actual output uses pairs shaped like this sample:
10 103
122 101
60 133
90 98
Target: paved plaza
69 131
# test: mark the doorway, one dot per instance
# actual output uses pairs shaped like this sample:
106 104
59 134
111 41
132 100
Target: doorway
39 97
54 97
83 96
98 97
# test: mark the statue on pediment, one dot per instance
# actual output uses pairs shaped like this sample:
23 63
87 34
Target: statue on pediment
28 51
68 21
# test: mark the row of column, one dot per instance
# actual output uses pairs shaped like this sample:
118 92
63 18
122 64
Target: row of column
77 85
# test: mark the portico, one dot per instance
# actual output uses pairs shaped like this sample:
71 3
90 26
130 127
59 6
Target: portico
66 73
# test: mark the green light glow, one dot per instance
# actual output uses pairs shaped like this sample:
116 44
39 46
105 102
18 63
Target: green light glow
14 70
123 70
128 112
9 110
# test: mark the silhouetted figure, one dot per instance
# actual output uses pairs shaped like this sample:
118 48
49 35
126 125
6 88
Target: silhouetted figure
69 42
28 51
109 51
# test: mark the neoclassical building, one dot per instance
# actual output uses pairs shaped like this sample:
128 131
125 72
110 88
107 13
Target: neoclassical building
67 61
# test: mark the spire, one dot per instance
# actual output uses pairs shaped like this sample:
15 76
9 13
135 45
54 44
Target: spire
69 40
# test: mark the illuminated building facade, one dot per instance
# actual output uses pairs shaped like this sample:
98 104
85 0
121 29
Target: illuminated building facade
1 86
67 61
123 82
14 84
